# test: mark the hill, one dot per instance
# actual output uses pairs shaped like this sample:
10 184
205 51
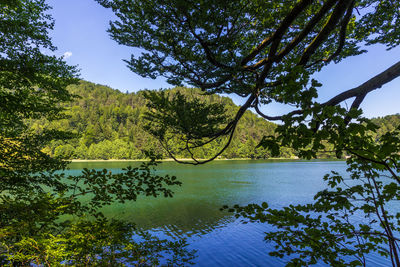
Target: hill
387 123
109 126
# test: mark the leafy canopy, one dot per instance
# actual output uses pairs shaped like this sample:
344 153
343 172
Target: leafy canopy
110 124
43 220
267 51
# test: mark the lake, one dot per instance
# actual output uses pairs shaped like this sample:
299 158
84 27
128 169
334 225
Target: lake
194 211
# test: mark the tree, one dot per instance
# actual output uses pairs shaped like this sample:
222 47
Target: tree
267 51
92 108
36 198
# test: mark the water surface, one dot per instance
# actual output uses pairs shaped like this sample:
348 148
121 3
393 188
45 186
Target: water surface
194 211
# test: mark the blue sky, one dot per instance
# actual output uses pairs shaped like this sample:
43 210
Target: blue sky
80 34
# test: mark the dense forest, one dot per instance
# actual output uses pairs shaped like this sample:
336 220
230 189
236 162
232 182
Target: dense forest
387 124
109 125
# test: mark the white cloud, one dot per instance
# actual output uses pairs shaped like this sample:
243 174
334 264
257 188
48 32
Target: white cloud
67 54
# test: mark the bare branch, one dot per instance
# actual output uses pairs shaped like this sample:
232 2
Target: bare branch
359 92
372 84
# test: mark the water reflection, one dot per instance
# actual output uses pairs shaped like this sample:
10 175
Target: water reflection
177 217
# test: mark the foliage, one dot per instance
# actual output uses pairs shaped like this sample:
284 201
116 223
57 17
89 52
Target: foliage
192 118
111 126
43 220
330 229
386 124
268 51
183 123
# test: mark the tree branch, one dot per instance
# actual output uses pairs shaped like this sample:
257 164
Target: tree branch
338 12
359 92
278 34
307 29
229 129
343 30
372 84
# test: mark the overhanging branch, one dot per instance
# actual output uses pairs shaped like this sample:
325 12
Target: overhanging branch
359 92
372 84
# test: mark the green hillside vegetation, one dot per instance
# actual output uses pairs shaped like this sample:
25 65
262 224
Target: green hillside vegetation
387 124
109 125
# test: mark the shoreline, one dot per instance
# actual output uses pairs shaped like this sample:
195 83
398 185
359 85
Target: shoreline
170 159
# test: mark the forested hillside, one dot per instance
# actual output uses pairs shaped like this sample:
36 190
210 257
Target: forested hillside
387 123
109 125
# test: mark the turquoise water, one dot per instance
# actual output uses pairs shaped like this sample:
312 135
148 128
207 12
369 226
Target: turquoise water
193 212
